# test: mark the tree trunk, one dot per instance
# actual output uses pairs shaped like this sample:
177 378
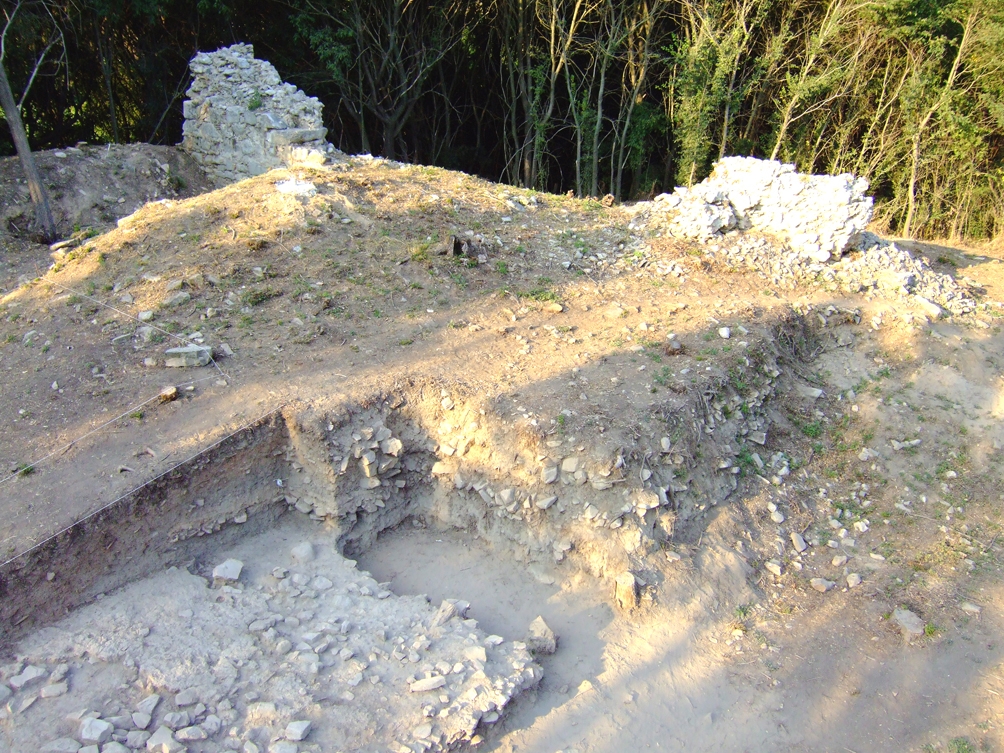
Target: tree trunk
39 195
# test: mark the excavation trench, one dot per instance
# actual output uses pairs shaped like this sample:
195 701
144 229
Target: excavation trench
468 519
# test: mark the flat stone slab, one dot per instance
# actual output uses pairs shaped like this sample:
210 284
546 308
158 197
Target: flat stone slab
188 356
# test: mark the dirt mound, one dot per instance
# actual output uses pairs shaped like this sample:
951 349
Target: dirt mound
90 189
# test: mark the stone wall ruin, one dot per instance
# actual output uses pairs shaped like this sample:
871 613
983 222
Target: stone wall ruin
241 120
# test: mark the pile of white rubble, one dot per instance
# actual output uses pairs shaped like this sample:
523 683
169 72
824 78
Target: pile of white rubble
805 229
818 216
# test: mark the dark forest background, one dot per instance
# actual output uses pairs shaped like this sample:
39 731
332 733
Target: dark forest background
628 97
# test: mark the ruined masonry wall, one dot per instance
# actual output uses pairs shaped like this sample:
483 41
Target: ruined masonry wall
241 119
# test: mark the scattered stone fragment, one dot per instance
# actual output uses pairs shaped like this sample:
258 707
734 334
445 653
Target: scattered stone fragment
191 734
177 719
429 683
114 747
145 316
540 639
447 611
26 703
970 608
549 474
626 591
54 690
148 704
725 333
853 580
137 738
798 542
228 571
777 516
476 653
284 747
178 299
95 731
422 731
811 393
773 566
162 741
909 623
188 697
822 584
545 502
141 720
188 356
298 730
28 677
839 561
320 583
168 394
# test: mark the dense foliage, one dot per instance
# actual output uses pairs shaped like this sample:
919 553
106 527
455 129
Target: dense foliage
628 97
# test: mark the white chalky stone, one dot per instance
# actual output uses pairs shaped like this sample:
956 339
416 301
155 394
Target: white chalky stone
229 570
95 731
297 730
430 683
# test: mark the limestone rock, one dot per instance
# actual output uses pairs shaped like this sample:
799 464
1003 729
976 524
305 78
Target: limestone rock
429 683
54 690
162 741
298 730
188 356
447 611
228 571
137 738
822 584
190 734
148 704
911 625
95 731
540 639
626 591
141 720
178 299
28 677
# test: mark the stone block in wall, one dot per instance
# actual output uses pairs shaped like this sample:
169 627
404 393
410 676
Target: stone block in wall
295 136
